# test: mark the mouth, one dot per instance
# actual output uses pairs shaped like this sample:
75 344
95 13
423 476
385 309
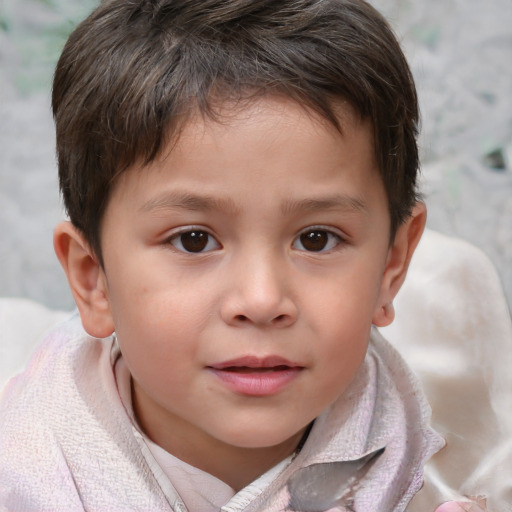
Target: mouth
253 363
250 369
253 376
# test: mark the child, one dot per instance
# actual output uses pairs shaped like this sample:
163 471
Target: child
240 178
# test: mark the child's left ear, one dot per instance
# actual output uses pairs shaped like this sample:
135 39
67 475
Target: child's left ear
399 256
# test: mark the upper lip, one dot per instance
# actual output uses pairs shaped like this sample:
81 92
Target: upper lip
255 362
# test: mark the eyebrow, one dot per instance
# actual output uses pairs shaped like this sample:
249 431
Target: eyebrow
194 202
336 202
188 201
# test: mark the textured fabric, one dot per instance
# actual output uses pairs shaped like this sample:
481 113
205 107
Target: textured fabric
23 323
67 444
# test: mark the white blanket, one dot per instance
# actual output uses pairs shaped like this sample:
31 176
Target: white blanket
453 327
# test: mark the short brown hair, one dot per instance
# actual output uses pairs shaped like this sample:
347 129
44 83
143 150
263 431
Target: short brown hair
134 70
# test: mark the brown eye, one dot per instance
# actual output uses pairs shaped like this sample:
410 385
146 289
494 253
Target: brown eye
194 241
316 240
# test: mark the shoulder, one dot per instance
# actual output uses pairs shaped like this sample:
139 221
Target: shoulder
23 323
393 373
66 441
41 410
53 368
35 402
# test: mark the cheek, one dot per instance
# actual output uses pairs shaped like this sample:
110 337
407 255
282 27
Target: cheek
158 297
342 324
158 329
344 347
345 302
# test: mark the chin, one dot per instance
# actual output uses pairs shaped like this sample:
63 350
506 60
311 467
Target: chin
260 437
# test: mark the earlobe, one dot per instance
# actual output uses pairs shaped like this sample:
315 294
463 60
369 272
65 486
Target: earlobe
399 256
384 315
86 279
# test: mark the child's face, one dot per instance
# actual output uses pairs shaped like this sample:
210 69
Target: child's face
243 271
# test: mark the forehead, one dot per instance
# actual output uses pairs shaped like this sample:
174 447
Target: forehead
277 108
243 139
293 119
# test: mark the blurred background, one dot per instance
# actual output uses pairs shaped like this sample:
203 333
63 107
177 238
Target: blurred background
461 55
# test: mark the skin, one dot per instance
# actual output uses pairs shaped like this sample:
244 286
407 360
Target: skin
259 186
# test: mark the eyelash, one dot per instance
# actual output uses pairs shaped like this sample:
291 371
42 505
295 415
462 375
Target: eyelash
329 238
321 240
176 240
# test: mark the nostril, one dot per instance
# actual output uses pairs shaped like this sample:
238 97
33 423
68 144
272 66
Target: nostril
277 320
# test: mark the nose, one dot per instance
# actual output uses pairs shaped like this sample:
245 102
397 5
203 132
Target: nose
259 293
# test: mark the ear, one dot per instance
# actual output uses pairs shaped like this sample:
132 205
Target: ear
399 256
86 279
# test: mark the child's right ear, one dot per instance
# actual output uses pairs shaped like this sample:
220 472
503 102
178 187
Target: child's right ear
86 279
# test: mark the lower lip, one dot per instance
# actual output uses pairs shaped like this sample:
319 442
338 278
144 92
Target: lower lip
263 383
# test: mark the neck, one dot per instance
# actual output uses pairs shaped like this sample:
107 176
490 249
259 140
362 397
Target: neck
235 465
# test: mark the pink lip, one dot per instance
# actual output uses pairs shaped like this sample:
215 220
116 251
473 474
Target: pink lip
256 376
